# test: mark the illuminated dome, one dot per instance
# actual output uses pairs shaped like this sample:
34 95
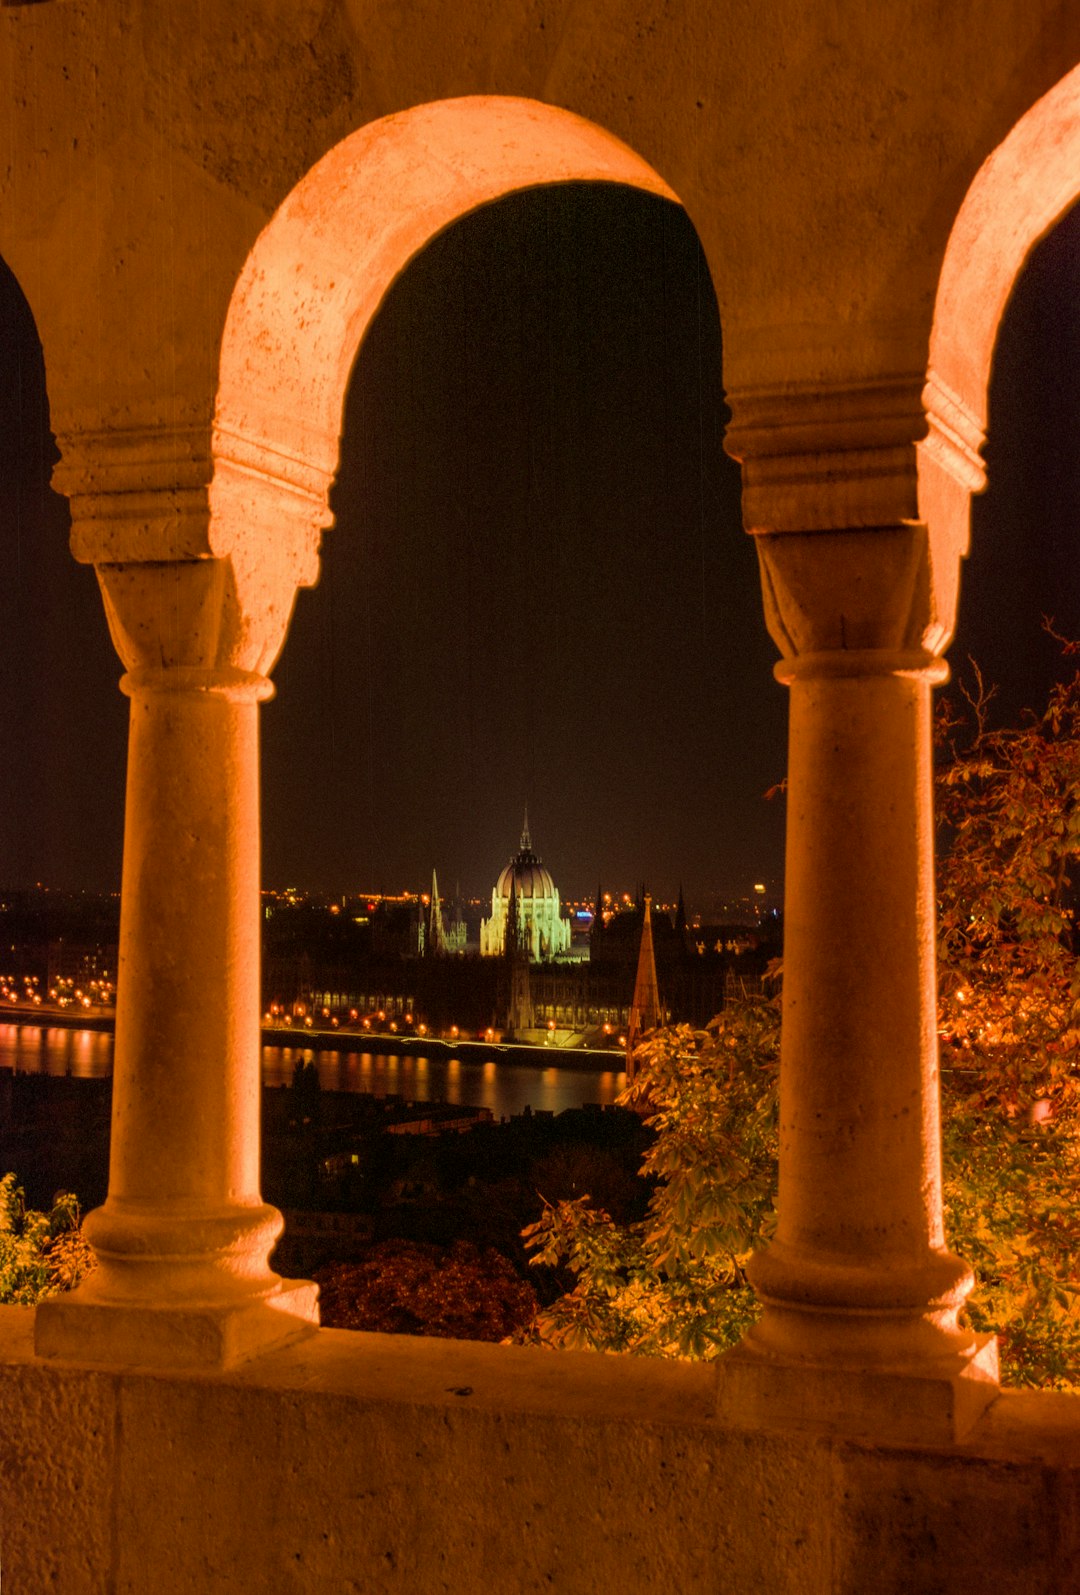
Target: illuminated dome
527 873
541 925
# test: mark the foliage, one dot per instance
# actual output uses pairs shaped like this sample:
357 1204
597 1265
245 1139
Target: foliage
1009 1016
41 1254
674 1284
403 1287
1009 807
1011 1211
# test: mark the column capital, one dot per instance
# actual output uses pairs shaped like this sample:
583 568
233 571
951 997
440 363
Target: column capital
858 498
816 458
141 494
200 538
887 589
862 454
137 493
188 623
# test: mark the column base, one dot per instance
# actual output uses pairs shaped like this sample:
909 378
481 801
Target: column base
210 1336
933 1404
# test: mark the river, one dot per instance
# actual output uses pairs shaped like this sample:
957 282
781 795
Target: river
505 1088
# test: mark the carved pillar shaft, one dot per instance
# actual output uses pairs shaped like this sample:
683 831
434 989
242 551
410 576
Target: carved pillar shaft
183 1239
860 1296
185 1140
858 1265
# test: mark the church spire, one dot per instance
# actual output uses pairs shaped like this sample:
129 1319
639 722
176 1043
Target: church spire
645 1011
436 938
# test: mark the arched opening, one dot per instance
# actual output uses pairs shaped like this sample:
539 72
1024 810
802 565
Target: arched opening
1007 333
536 591
333 255
537 581
1023 563
314 280
536 554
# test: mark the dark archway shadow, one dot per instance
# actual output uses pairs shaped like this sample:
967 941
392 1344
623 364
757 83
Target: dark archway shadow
62 718
1024 561
538 587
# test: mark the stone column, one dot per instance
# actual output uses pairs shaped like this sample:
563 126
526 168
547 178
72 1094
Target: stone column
860 1295
183 1239
858 1269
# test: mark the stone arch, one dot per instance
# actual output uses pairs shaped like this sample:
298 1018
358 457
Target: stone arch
316 277
1018 195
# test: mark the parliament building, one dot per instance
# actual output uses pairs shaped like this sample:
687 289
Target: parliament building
542 926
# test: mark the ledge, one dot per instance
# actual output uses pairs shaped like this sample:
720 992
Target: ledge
378 1462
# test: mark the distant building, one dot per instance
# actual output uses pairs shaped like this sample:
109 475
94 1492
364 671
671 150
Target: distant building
438 937
541 926
455 934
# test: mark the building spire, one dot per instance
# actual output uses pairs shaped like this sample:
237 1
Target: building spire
436 939
645 1010
526 842
519 1013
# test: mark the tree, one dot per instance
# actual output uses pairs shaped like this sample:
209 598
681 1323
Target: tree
41 1254
1009 1006
675 1284
1009 810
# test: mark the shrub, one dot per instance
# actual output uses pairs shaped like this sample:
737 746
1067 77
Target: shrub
41 1254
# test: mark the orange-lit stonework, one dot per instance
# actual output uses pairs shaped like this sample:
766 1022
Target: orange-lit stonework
205 207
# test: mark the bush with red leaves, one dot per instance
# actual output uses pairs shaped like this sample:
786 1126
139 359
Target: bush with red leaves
414 1288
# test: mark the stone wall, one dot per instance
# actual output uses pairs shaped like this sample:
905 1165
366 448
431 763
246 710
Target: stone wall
377 1463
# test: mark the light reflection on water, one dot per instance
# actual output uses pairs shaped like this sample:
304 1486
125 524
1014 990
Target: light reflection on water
37 1049
505 1088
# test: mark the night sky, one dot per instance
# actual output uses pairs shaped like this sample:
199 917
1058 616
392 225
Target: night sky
537 588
